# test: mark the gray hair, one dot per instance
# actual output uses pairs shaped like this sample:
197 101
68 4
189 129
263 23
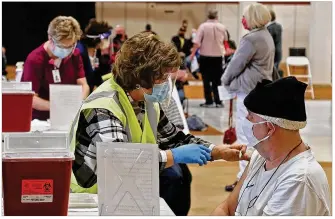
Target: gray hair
257 15
212 14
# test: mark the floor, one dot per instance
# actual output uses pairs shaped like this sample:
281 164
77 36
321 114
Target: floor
207 193
317 134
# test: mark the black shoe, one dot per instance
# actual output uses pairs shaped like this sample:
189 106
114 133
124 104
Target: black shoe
219 105
230 188
206 105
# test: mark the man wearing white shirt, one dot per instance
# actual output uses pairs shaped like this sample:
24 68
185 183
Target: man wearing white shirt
283 177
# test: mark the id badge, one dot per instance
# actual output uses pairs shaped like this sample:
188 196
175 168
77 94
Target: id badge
56 76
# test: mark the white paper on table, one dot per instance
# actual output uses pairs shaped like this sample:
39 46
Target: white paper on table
164 209
79 201
39 125
225 94
128 179
194 64
65 101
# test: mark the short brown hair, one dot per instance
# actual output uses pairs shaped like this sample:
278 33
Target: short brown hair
63 27
273 14
143 59
95 28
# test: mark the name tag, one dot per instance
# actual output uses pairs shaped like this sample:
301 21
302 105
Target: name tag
56 76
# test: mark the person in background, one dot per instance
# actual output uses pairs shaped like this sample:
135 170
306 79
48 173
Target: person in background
230 47
119 38
57 61
185 24
148 29
252 62
188 60
181 79
276 32
209 38
170 107
283 178
139 83
88 46
179 40
4 62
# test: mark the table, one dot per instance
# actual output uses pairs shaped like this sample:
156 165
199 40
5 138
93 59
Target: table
164 210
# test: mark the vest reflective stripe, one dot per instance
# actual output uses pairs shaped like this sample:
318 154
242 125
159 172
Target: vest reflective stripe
106 76
111 97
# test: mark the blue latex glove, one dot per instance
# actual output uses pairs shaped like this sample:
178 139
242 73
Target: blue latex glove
191 153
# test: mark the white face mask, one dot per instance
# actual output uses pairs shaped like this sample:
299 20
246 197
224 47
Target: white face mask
247 127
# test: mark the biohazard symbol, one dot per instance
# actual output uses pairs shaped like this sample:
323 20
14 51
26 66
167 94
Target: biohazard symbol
47 187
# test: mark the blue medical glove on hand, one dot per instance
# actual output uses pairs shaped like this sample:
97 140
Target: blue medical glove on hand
191 153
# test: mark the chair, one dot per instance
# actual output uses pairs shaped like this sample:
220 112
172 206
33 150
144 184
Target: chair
298 61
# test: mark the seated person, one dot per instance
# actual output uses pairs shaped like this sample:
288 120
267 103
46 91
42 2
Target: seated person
56 61
283 176
230 47
170 106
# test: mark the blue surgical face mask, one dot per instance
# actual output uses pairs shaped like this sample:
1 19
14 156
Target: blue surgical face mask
159 93
62 52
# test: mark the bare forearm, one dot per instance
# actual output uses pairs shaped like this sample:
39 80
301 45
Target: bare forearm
86 91
41 104
194 50
222 210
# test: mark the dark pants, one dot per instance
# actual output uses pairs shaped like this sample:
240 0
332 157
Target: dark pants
175 188
211 70
280 72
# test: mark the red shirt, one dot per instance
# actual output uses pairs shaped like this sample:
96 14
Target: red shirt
38 70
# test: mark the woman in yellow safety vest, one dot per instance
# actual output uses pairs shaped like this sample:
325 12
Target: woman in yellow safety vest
122 110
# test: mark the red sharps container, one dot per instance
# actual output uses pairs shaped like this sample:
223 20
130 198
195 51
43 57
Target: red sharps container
36 171
17 101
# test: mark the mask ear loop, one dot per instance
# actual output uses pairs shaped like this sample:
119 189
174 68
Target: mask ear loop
268 136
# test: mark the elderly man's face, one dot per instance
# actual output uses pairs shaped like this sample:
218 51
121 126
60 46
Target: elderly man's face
259 130
119 30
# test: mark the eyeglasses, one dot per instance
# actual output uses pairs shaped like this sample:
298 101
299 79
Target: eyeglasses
63 46
101 36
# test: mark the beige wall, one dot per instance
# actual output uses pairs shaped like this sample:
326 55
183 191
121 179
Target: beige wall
320 42
307 26
165 18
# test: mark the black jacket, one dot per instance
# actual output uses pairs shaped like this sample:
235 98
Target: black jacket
276 30
186 47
